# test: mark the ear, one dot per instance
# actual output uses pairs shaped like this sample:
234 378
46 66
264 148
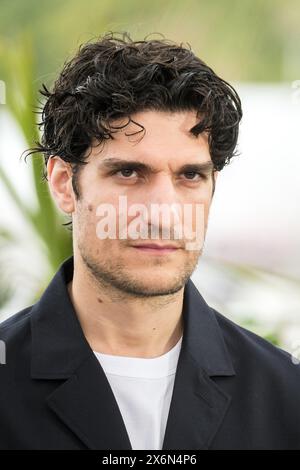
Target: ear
59 175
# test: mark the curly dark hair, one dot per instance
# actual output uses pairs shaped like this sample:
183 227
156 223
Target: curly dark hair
114 77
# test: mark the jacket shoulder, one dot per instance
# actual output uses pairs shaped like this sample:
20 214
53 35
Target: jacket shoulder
15 330
251 350
15 322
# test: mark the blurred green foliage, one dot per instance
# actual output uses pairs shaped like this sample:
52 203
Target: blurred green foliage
21 101
248 40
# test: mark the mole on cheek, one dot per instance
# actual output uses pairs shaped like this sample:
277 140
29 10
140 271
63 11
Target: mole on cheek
90 207
99 300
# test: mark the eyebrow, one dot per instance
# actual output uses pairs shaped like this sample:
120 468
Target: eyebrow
117 164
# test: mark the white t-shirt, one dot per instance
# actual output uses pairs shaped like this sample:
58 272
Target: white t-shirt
143 389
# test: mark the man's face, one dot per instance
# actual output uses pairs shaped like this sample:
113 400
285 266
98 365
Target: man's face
165 147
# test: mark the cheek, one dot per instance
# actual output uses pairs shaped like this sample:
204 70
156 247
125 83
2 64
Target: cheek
85 221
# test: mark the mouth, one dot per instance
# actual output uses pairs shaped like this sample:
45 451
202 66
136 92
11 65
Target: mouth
155 249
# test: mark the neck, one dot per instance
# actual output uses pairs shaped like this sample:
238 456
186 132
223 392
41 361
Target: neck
119 324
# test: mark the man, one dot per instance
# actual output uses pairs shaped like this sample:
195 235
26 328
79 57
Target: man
122 351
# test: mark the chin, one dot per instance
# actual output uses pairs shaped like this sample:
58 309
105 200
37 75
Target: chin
156 290
159 285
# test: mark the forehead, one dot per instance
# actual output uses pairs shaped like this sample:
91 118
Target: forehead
155 136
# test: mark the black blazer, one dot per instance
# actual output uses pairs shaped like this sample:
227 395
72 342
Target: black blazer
232 390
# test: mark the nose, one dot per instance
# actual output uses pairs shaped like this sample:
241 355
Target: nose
161 191
163 204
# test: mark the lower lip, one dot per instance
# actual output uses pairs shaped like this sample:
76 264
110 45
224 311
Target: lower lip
155 251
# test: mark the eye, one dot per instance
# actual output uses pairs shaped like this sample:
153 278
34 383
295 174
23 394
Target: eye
190 175
125 172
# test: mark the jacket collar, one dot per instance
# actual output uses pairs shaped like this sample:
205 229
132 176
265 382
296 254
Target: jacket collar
85 402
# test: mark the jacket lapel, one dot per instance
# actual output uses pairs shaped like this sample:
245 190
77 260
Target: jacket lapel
85 401
197 409
86 404
198 405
